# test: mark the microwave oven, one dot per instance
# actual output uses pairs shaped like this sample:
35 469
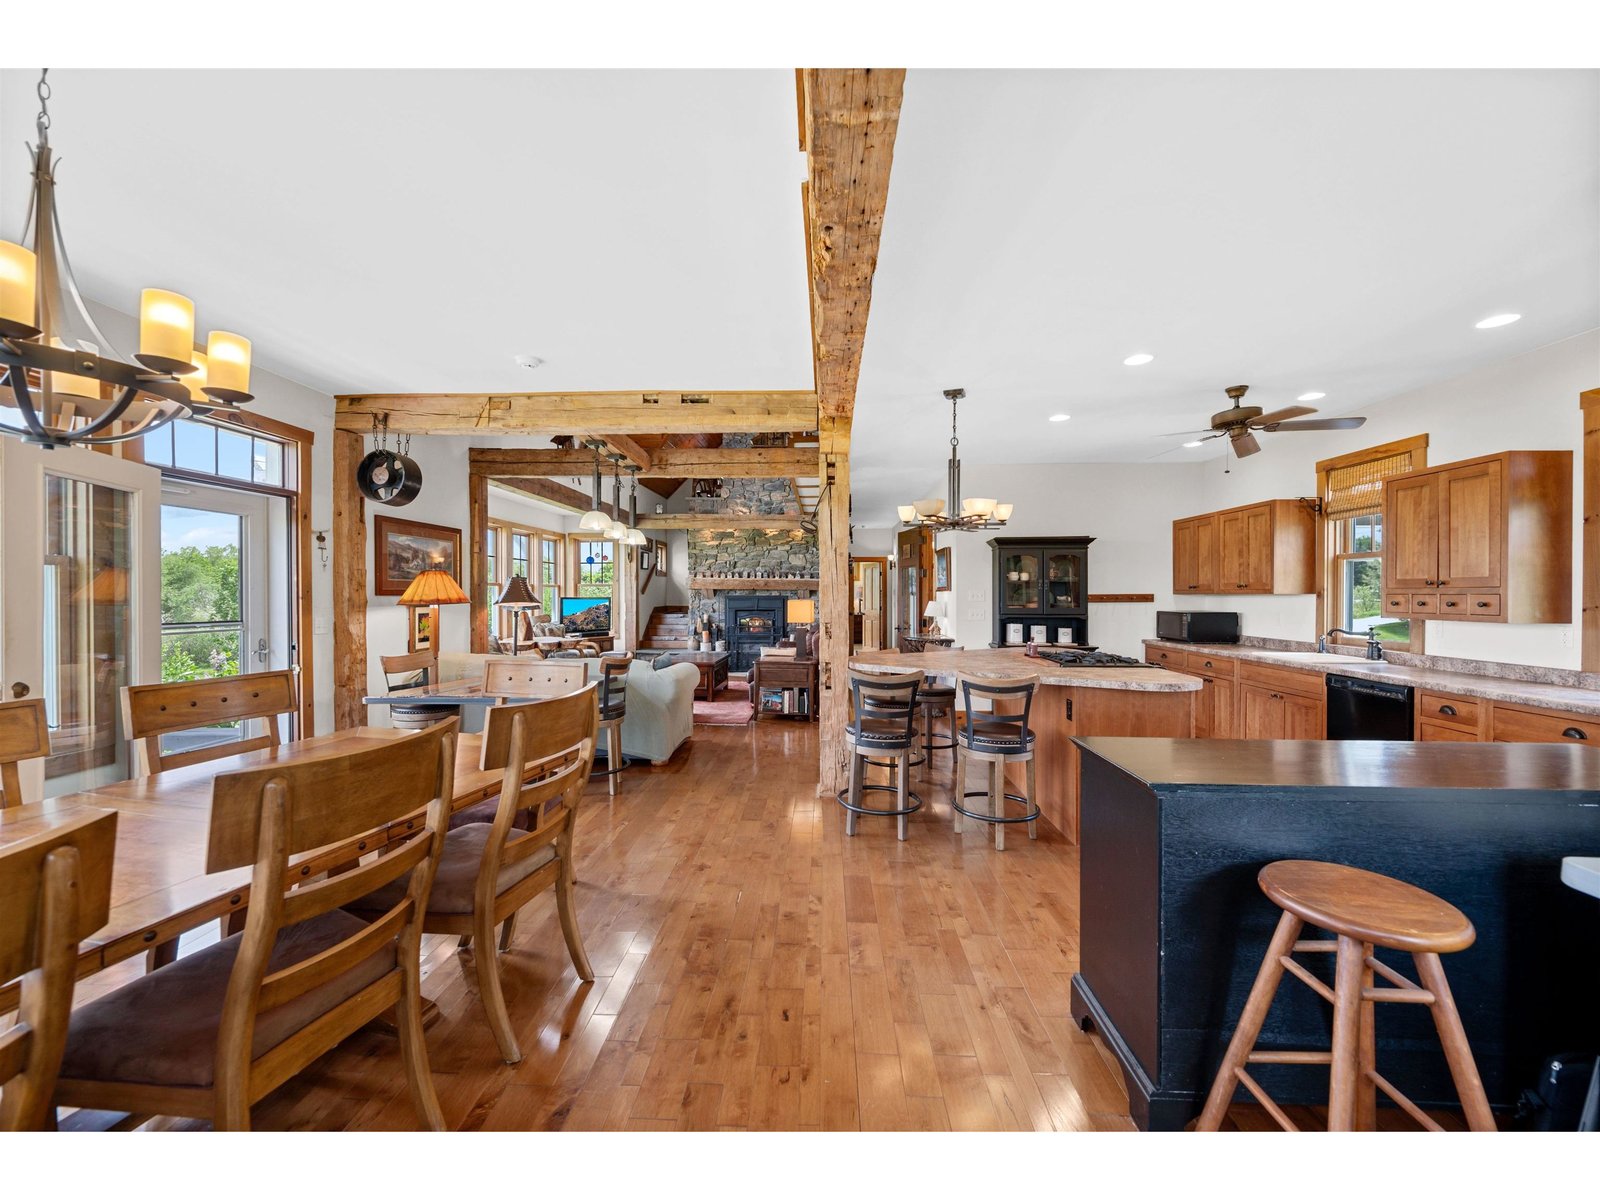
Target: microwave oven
1197 626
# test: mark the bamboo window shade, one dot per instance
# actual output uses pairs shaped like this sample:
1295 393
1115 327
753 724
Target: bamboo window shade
1358 487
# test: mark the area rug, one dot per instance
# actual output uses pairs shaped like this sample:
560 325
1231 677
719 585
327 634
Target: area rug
731 707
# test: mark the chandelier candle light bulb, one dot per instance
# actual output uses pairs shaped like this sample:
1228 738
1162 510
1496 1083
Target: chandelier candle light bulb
228 355
19 278
166 331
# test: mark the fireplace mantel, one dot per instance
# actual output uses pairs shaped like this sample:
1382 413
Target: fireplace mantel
720 583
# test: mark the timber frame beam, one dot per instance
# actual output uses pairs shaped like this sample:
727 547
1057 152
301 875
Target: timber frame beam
848 122
600 414
669 462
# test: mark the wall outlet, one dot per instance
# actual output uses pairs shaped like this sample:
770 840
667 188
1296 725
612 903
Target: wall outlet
1566 637
976 594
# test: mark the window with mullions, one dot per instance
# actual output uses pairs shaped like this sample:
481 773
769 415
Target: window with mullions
211 450
1352 500
549 584
1358 578
596 568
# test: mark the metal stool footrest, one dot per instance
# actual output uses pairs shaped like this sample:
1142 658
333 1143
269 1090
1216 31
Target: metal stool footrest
843 796
889 763
990 818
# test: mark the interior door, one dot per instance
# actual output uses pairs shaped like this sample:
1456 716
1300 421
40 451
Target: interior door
80 534
1411 533
1470 524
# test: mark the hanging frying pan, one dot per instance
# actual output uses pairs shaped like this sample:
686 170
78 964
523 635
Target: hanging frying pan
389 478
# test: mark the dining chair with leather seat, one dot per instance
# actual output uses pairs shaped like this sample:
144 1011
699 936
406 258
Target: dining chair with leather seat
489 872
55 890
214 1032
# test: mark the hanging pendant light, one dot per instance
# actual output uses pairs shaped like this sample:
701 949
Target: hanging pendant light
618 532
62 383
635 534
956 515
595 520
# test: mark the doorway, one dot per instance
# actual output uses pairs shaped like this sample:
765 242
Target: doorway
914 584
869 603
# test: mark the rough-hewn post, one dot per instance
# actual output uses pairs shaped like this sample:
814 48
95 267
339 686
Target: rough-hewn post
349 585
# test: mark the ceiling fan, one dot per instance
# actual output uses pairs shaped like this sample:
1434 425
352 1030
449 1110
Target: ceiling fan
1241 423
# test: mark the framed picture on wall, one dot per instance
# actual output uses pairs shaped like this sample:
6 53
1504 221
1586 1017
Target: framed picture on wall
405 549
941 570
423 620
660 556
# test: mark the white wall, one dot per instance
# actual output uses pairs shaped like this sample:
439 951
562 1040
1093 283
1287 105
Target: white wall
284 400
1529 402
1128 508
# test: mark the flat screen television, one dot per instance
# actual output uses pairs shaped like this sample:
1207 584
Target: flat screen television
586 614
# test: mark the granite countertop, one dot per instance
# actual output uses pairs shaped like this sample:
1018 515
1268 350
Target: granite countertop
1006 664
1584 701
1530 770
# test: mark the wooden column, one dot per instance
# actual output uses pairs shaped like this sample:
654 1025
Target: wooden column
833 600
349 585
478 573
625 622
1589 630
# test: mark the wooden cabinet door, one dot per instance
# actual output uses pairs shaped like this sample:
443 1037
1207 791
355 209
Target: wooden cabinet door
1411 533
1233 552
1224 699
1205 554
1262 712
1470 523
1258 549
1185 568
1204 711
1304 717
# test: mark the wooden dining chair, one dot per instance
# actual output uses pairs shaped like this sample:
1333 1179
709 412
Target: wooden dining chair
533 678
425 662
24 734
152 710
55 890
211 1034
488 872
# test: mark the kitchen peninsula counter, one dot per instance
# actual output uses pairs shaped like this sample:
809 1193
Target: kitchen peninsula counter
1071 702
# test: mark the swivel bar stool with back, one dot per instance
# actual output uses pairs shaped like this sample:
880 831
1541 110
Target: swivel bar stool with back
613 701
994 737
882 732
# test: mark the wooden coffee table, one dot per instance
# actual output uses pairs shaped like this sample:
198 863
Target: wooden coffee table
713 665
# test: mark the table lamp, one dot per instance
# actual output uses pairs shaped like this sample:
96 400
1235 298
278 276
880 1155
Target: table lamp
800 612
931 616
517 596
429 590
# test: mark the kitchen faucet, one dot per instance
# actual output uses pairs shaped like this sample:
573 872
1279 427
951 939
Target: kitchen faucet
1374 651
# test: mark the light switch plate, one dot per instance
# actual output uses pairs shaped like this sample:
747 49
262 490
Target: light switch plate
321 626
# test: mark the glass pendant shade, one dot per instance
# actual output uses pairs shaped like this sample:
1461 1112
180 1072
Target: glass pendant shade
907 513
19 280
1002 512
928 508
636 537
166 330
594 521
229 356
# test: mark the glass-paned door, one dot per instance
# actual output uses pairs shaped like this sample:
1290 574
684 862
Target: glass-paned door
1019 580
1063 590
79 609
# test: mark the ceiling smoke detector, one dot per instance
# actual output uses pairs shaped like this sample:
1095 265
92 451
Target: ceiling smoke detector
531 361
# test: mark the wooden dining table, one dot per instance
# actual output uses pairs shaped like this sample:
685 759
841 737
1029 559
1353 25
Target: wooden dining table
159 883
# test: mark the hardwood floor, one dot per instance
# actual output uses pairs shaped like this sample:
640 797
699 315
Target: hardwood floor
756 969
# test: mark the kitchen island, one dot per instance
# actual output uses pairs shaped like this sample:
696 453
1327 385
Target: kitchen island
1173 925
1078 701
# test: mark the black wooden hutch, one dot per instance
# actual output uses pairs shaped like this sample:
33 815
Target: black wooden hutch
1041 590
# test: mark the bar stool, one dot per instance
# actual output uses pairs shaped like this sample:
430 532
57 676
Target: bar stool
996 738
882 732
1362 910
937 700
613 701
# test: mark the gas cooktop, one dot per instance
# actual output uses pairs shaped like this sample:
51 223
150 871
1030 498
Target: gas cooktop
1091 658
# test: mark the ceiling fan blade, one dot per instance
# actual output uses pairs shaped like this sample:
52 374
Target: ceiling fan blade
1323 423
1245 444
1194 433
1281 414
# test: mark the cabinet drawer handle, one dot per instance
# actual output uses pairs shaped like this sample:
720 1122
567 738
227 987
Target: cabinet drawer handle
1448 710
1572 731
1444 583
1449 603
1208 662
1238 585
1483 604
1274 696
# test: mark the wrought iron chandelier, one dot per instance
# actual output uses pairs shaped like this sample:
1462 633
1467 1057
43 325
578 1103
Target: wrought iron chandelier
957 515
62 376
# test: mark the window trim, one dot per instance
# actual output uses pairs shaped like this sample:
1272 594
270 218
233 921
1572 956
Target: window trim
1329 556
498 535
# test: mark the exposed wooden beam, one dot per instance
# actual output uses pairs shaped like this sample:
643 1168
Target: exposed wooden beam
669 462
717 521
600 413
558 495
349 585
618 443
850 118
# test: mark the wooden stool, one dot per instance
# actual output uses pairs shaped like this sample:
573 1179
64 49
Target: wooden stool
882 732
994 739
1362 910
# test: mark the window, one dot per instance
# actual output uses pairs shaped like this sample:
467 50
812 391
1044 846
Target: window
206 449
1352 505
549 584
535 554
596 568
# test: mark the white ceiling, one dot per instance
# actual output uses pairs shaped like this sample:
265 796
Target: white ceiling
1331 231
415 230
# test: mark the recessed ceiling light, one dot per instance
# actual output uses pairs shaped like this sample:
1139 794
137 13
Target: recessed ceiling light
530 361
1060 417
1305 396
1498 320
1192 445
1138 360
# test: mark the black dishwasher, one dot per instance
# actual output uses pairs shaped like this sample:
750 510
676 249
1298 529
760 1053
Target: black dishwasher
1364 710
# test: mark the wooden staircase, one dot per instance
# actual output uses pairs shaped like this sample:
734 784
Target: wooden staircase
668 628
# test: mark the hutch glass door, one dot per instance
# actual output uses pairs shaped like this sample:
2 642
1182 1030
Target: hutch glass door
1064 582
1020 581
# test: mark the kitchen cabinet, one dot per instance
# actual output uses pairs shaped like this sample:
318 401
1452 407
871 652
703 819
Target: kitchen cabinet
1442 717
1216 707
1276 702
1266 548
1509 723
1041 584
1485 539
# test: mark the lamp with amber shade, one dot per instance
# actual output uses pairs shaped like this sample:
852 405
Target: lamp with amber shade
517 596
429 590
